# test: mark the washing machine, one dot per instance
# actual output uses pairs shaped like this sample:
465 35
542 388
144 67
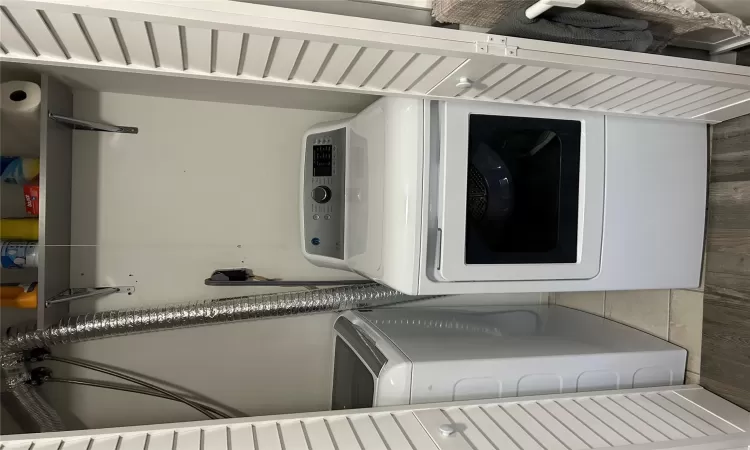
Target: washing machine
398 356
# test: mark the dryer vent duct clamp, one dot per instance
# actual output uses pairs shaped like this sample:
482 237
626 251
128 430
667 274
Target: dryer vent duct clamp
446 197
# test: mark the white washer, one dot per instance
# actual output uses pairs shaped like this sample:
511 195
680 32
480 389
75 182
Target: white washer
397 356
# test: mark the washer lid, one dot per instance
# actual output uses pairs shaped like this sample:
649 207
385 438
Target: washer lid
437 334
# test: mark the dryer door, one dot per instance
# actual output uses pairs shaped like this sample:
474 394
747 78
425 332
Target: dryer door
521 193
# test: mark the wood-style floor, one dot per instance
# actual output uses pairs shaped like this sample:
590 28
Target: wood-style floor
725 361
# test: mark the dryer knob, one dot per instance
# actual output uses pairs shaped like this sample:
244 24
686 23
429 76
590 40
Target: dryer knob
321 194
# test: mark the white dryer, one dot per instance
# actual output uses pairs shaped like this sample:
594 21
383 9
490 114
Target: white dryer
454 197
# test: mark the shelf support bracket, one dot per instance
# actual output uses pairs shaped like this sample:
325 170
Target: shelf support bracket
74 294
87 125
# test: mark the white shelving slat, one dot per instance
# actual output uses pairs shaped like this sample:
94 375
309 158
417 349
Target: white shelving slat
636 423
653 421
168 46
690 99
685 417
51 445
312 60
82 444
575 88
389 429
613 93
393 63
104 38
256 55
432 420
411 73
554 426
546 76
161 440
364 66
135 36
418 436
474 69
600 428
438 73
241 437
731 93
105 443
586 433
469 430
605 86
540 433
676 422
490 80
702 413
317 433
620 427
645 89
497 435
554 86
72 37
215 438
511 82
342 57
267 435
12 39
294 436
342 433
198 44
134 442
688 91
228 47
287 52
36 30
717 106
501 417
366 432
187 440
653 96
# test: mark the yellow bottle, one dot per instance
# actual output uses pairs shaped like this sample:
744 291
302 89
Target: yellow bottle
18 296
24 229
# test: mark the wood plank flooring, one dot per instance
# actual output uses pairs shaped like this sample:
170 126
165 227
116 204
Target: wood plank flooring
725 363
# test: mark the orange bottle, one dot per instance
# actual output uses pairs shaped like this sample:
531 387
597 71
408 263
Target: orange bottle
14 295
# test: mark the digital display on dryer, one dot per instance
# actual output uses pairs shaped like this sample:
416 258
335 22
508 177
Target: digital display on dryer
322 160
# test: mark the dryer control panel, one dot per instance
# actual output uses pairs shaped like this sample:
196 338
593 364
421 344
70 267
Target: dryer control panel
323 193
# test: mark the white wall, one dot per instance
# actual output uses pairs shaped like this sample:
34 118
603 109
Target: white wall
203 186
261 367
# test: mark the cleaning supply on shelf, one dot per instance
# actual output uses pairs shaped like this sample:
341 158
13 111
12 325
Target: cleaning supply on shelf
22 229
13 295
31 199
19 104
18 255
18 170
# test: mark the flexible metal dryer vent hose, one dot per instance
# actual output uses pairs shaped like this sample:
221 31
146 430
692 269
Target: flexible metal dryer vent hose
205 312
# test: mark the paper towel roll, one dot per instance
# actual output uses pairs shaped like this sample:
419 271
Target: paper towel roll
20 117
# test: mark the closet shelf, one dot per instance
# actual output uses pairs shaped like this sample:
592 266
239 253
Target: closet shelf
251 43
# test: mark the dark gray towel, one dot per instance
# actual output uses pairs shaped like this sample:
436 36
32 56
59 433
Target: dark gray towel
573 26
